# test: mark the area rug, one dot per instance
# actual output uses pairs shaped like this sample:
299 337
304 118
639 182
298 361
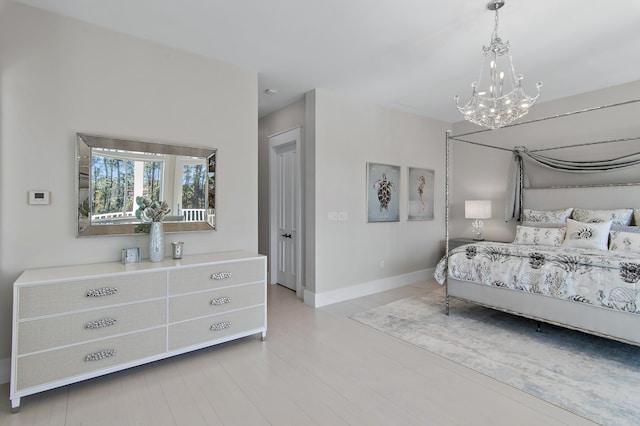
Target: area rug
590 376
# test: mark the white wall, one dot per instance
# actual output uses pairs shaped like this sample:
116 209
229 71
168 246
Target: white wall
481 173
60 76
347 135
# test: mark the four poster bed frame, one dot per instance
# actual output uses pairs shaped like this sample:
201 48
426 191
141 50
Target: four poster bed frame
593 319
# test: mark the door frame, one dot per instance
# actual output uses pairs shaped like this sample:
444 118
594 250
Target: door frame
275 141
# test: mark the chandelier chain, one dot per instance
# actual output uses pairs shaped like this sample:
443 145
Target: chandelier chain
494 35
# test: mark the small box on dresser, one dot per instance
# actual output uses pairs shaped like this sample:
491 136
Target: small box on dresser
79 322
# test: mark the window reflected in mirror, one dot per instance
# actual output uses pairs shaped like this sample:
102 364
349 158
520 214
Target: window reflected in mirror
117 178
113 172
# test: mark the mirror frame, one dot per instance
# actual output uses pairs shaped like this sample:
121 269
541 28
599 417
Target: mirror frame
84 143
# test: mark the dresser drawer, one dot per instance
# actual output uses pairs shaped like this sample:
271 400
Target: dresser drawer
65 363
216 301
54 298
187 280
48 333
215 327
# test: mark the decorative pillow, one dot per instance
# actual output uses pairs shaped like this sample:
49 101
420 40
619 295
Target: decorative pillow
632 229
636 217
543 224
618 216
558 217
625 241
587 235
529 235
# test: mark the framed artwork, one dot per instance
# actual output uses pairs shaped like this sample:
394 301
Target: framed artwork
131 255
420 193
383 193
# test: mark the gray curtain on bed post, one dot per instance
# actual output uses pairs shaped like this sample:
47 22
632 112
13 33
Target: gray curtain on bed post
517 181
518 178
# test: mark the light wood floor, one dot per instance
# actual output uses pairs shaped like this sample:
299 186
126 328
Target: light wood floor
317 367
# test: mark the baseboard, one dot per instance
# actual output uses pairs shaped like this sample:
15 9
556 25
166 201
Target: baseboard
353 292
5 370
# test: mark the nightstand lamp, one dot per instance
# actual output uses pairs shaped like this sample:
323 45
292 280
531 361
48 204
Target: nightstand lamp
477 210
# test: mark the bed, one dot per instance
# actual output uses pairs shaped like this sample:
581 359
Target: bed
594 289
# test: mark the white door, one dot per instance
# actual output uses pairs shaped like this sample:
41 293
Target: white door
286 217
285 210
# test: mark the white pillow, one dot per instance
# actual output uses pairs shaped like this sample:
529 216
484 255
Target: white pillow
618 216
548 217
587 235
625 241
530 235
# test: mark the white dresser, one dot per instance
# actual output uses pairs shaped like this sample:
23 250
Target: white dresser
78 322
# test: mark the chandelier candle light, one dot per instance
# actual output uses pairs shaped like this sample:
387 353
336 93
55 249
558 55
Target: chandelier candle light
478 210
504 100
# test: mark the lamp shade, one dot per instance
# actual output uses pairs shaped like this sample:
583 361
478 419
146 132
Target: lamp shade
477 209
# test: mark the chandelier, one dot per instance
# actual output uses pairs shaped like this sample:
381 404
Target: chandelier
503 101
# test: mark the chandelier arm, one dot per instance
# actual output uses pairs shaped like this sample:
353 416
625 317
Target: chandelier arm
479 80
514 76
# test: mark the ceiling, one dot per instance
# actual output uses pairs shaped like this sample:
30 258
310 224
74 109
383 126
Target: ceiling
413 55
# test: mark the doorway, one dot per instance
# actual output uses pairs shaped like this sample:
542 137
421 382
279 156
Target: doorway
285 210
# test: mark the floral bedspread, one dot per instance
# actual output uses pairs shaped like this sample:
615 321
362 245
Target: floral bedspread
603 278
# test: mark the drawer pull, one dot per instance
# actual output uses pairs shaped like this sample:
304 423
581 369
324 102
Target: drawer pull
221 301
97 356
220 326
104 291
102 323
221 275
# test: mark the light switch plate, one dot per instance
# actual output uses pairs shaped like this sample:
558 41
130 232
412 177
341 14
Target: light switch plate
39 197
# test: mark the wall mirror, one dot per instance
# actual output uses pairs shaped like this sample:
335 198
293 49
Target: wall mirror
111 173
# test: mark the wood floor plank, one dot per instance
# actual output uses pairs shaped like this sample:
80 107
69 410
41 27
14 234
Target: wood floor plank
46 409
179 396
204 371
145 402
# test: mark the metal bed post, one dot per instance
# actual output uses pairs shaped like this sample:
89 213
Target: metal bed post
446 222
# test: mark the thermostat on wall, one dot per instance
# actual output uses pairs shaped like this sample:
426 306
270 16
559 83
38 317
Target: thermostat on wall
39 197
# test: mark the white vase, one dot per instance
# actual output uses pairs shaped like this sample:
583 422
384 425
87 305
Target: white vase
156 242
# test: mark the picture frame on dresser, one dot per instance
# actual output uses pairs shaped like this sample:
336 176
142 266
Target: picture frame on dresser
131 255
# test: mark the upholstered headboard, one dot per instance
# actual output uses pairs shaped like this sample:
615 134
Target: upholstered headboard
585 197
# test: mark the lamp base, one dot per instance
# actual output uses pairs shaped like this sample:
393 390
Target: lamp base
478 226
